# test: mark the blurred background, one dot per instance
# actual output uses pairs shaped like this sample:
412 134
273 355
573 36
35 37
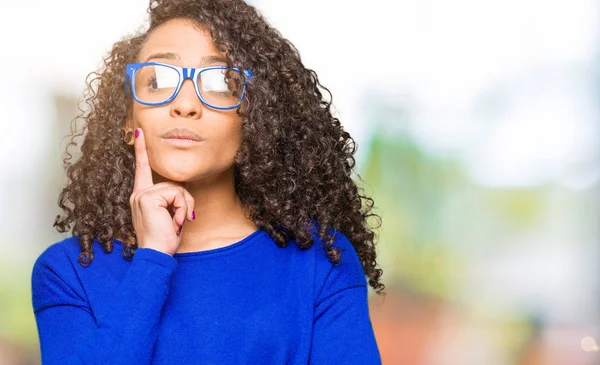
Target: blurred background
478 130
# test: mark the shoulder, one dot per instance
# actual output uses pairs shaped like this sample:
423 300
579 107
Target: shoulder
65 252
58 277
58 254
346 273
54 276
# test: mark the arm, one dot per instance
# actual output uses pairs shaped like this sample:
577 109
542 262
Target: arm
68 331
342 330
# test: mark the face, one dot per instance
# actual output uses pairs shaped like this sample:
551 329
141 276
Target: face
181 42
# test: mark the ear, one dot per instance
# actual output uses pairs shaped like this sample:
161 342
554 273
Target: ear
128 132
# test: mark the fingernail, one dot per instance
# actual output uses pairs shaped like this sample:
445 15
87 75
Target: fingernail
137 133
180 228
193 215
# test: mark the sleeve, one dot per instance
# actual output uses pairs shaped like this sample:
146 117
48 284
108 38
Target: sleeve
68 331
342 329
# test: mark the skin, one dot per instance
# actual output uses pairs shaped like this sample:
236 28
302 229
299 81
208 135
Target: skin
205 170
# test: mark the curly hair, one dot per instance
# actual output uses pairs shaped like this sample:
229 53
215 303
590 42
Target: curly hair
294 165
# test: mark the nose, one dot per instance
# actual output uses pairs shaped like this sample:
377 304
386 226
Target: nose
186 103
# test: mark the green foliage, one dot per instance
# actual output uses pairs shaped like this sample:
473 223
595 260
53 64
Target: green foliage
17 322
434 217
411 190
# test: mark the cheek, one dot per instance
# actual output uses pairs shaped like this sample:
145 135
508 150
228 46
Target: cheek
227 139
147 117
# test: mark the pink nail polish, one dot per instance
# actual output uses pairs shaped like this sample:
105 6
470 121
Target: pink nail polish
193 215
137 133
180 228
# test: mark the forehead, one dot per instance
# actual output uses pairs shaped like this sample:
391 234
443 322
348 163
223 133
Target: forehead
181 36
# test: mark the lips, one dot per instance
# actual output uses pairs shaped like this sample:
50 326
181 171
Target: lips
182 133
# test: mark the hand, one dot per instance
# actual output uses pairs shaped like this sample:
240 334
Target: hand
152 221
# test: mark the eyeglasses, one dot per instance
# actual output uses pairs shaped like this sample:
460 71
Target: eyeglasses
155 83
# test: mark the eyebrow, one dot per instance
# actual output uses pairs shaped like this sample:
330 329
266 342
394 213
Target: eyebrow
174 56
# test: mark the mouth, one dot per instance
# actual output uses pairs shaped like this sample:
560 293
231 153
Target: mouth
182 137
182 142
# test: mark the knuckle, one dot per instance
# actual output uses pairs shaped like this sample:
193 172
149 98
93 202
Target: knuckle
143 197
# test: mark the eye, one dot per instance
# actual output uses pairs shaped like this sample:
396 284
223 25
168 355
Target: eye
152 83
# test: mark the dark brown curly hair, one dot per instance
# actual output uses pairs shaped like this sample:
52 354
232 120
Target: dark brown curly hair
294 164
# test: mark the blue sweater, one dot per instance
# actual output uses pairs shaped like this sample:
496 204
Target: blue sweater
251 302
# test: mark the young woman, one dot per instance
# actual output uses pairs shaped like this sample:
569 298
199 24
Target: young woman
213 165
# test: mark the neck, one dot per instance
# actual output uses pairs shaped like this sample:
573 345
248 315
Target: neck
220 215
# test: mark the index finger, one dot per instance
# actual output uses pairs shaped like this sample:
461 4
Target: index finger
143 172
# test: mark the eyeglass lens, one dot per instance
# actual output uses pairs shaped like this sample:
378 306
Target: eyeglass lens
158 83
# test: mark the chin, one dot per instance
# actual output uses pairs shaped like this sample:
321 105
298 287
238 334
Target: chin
184 173
174 174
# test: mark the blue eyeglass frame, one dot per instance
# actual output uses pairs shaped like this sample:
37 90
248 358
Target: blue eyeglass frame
184 74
